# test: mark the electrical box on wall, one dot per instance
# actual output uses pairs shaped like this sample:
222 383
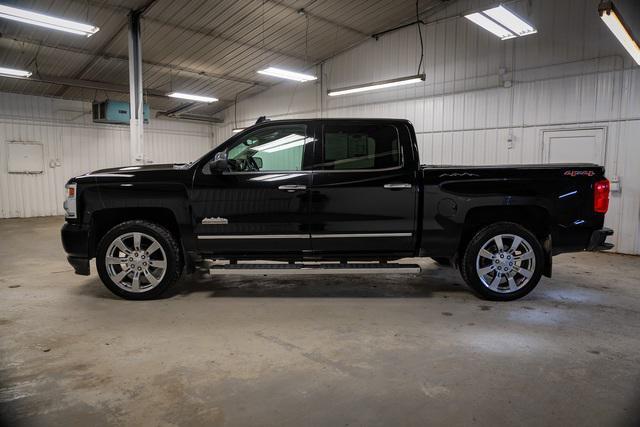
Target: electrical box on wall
115 112
25 157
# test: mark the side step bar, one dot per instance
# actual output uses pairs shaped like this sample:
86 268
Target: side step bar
291 269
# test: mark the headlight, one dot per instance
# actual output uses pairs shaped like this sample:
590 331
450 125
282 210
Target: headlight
70 201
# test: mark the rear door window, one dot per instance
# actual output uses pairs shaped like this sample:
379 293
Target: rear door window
358 147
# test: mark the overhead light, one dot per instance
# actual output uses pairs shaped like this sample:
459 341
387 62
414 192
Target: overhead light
510 20
286 74
377 85
620 30
34 18
192 97
491 26
10 72
501 22
237 130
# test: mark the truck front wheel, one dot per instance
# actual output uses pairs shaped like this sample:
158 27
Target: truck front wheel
503 262
138 260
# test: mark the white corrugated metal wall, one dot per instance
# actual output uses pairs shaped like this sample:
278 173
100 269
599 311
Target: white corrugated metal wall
68 135
571 74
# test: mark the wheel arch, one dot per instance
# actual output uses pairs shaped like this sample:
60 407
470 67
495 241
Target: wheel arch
105 219
534 218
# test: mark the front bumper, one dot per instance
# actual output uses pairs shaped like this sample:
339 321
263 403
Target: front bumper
75 241
597 241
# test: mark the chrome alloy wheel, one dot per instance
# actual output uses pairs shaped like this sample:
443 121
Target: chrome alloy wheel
135 262
505 263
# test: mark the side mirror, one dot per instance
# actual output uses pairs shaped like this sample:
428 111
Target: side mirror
218 165
258 161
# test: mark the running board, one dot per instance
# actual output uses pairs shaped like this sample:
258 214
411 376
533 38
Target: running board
291 269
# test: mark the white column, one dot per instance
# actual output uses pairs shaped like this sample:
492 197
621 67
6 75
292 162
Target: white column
136 129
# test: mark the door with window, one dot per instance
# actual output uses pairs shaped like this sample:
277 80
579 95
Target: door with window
364 191
261 204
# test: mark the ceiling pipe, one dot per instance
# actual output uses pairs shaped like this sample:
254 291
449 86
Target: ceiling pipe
190 117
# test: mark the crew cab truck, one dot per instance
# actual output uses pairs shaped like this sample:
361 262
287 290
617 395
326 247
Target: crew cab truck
348 193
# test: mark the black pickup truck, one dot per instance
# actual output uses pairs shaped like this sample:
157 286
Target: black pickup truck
331 195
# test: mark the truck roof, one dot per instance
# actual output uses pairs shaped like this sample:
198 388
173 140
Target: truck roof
349 119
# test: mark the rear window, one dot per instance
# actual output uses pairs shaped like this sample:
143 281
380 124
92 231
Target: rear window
356 147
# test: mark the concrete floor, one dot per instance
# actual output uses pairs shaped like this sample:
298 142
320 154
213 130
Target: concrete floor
383 350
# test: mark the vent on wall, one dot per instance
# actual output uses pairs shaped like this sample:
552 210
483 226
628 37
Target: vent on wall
115 112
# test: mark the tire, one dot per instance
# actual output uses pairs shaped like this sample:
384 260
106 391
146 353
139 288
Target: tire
155 261
507 274
442 261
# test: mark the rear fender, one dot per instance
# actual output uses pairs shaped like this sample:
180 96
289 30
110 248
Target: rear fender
547 247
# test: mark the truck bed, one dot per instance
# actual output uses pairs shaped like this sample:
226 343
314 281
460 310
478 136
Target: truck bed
517 167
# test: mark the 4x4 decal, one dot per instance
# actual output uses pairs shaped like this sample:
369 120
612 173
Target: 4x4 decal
579 173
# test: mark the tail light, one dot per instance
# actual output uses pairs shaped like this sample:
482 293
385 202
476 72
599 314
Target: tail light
601 196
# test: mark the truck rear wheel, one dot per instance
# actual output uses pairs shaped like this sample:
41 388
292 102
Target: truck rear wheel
503 262
138 260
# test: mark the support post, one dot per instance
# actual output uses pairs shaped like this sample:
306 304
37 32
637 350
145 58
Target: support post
136 140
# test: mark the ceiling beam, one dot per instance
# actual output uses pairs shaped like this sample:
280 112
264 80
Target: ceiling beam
87 84
107 56
432 8
435 8
87 65
206 32
317 17
191 117
103 48
203 32
179 112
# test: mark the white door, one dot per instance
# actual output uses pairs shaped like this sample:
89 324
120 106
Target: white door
574 146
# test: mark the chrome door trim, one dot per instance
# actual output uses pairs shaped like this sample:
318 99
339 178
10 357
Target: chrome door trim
356 235
251 236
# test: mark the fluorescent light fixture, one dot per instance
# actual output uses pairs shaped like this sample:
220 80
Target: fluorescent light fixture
10 72
501 22
285 74
490 26
620 30
509 20
377 85
237 130
192 97
42 20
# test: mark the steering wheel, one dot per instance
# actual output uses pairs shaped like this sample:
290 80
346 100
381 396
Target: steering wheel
234 165
243 165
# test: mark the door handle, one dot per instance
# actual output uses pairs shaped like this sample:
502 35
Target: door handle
396 186
292 188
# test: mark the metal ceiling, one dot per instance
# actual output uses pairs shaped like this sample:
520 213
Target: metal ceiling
196 46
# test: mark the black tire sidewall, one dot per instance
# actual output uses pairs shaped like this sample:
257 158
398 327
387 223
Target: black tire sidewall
468 266
164 238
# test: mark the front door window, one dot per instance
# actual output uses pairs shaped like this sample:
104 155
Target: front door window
277 148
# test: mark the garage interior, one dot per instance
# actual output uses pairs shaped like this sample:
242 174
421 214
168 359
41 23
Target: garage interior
325 350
